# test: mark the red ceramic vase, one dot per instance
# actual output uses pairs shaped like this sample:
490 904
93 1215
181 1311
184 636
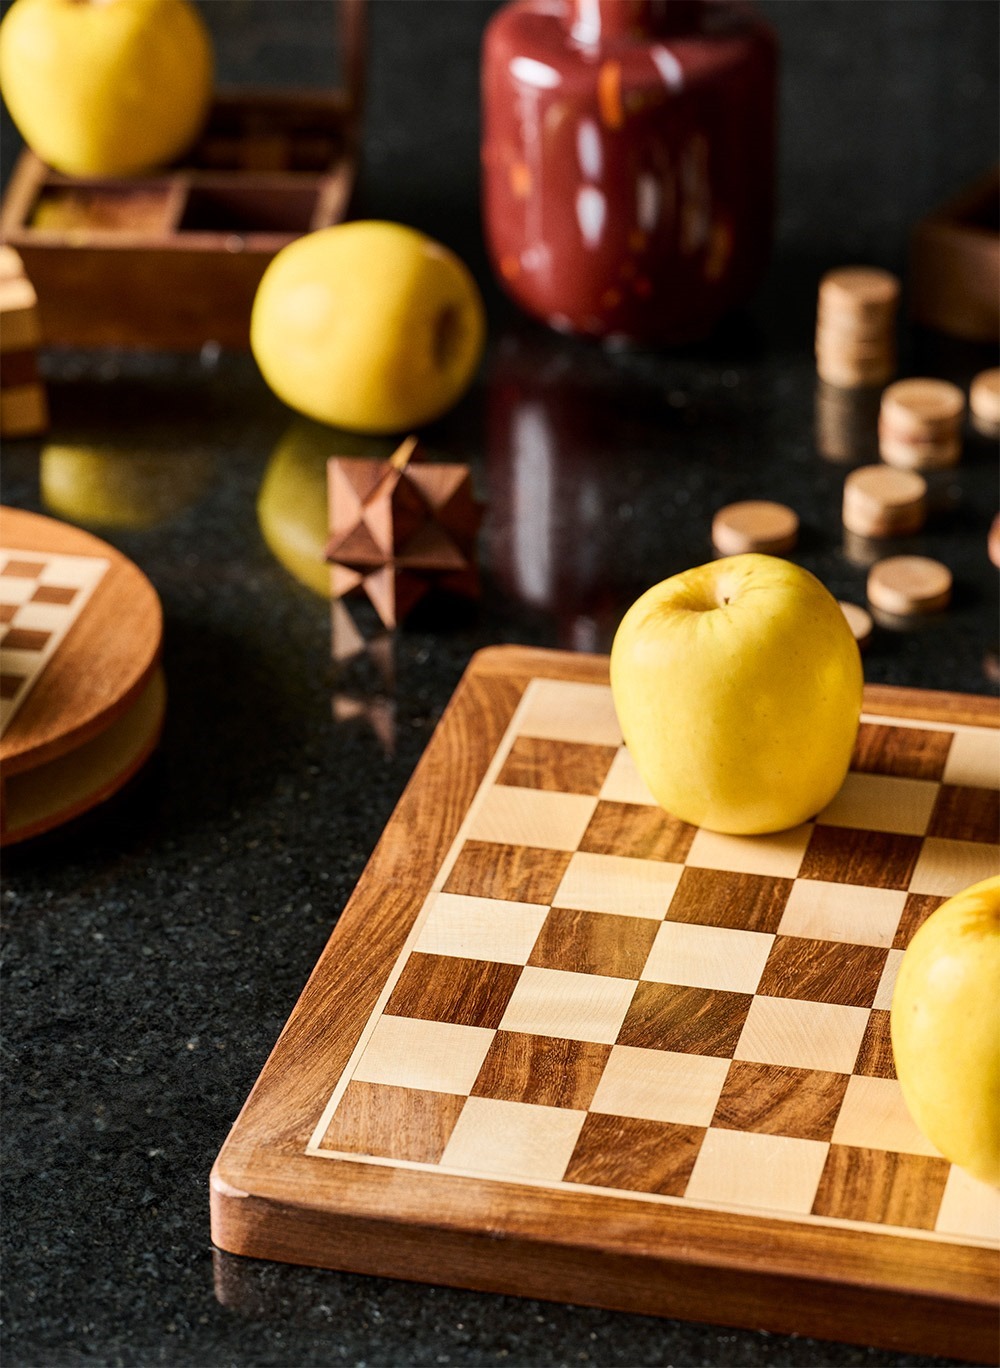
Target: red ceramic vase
628 162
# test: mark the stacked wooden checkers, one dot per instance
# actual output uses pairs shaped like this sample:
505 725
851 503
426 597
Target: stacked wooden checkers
565 1045
880 501
856 327
920 424
984 403
23 407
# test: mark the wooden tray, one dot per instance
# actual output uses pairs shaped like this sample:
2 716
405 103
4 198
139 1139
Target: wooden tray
173 261
82 696
565 1046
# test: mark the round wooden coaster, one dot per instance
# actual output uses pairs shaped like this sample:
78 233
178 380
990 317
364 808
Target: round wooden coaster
860 622
907 586
922 408
81 695
863 293
754 525
984 402
880 501
993 541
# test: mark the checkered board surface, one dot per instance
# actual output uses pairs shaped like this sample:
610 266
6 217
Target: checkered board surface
41 596
596 994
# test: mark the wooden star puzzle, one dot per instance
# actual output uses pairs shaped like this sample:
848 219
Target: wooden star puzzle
399 528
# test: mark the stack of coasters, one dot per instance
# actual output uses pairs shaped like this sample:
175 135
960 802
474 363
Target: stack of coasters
920 424
856 327
23 407
984 403
882 502
909 586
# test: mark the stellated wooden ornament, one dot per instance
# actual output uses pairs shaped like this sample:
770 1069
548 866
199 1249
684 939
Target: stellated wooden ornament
399 528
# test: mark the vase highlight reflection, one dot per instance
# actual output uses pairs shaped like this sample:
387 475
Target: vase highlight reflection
628 162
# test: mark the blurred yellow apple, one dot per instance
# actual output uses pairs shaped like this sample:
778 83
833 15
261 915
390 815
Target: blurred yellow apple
945 1025
106 87
109 487
738 689
370 326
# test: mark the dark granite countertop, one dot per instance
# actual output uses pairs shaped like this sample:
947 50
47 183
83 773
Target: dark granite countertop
153 950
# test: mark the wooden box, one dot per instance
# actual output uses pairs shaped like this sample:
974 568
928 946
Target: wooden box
172 260
955 264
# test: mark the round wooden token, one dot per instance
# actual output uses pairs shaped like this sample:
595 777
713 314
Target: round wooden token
984 402
922 408
859 292
880 501
908 453
754 525
860 622
993 541
906 586
81 692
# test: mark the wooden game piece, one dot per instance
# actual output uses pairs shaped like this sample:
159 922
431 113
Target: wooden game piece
754 525
859 295
907 586
882 502
23 406
922 409
399 528
984 402
652 1059
855 327
993 541
906 454
860 622
82 696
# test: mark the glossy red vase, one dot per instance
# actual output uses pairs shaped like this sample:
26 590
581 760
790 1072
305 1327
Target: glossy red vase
628 162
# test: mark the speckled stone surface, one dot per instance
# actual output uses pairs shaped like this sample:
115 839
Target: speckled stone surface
153 950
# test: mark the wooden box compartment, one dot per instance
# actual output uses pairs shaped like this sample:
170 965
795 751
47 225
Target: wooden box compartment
173 260
955 264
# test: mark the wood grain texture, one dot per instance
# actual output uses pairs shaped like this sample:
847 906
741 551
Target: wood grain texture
272 1200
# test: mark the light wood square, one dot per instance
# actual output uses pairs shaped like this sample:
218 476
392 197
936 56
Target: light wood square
659 1085
42 617
436 1055
616 883
481 928
881 802
16 588
974 759
887 983
946 867
569 711
555 1002
769 1172
624 784
779 855
708 957
532 817
873 1115
801 1034
969 1208
842 912
513 1139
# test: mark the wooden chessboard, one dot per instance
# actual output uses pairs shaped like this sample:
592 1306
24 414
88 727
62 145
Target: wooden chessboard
564 1045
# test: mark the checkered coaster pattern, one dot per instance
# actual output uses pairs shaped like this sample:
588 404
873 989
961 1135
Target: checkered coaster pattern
41 596
597 993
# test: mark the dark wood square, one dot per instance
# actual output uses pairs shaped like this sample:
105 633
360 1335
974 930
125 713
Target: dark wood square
9 684
742 902
543 1070
22 569
704 1021
7 612
881 1185
875 1055
966 814
594 943
906 752
823 971
878 859
771 1099
489 869
562 766
53 593
638 831
917 908
465 992
639 1156
25 639
394 1123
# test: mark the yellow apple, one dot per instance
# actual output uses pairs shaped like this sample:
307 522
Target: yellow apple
945 1024
738 689
370 326
106 87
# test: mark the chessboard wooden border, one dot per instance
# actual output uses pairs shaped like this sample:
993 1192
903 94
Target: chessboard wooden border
270 1200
